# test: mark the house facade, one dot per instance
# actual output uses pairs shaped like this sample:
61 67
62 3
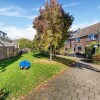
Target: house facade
8 48
4 40
83 37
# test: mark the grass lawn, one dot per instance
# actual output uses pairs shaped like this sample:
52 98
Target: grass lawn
17 82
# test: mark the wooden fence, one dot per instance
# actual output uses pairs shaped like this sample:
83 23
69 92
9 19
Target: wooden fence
7 52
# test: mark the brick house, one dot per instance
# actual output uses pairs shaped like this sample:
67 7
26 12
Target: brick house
83 37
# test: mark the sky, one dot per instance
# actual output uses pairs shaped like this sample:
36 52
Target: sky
17 16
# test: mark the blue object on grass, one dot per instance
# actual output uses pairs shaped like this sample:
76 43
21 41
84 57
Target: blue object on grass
25 64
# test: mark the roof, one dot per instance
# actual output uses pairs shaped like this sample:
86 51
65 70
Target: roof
4 37
3 32
86 31
15 40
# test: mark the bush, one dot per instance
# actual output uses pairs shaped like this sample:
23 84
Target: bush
96 59
69 51
97 50
89 51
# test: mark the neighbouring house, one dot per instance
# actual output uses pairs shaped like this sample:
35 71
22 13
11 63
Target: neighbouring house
4 40
81 38
7 47
15 43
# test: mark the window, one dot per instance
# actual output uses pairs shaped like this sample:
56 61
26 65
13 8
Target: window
89 37
79 48
78 39
92 37
95 37
4 35
1 34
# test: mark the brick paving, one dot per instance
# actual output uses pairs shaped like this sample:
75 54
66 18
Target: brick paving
81 82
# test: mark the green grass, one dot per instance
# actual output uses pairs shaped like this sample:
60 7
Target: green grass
17 82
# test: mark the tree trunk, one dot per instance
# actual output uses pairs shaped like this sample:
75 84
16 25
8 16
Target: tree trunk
54 53
50 55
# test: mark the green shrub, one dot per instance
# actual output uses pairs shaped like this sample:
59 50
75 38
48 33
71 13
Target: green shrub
97 51
92 50
89 52
96 59
69 50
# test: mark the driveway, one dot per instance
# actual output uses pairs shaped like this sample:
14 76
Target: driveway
81 82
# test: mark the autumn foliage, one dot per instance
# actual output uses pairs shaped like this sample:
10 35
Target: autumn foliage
52 26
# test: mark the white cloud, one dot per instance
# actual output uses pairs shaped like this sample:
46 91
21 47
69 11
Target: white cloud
70 5
82 25
16 33
15 11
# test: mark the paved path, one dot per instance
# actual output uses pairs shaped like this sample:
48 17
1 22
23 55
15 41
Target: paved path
81 82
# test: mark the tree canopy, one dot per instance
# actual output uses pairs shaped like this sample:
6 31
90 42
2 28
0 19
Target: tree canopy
52 26
25 43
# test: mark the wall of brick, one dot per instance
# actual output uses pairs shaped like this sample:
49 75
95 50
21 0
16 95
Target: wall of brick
83 42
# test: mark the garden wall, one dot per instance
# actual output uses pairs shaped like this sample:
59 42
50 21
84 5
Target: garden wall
7 52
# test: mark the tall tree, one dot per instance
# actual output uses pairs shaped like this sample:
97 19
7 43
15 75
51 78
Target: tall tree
52 26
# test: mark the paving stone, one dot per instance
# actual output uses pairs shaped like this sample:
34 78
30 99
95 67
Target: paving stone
97 87
97 97
90 94
79 91
94 84
66 97
94 91
82 97
85 88
74 84
74 99
73 94
89 85
65 91
92 99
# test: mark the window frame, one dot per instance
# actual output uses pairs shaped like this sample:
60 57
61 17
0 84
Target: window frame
92 37
77 40
80 48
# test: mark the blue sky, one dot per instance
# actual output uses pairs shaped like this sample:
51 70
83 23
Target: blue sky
16 16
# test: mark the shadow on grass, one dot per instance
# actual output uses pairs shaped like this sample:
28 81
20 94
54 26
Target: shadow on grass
62 60
6 62
4 94
65 61
69 62
41 55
